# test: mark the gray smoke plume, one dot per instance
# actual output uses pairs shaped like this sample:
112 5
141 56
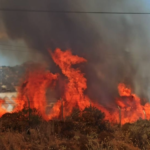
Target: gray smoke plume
105 41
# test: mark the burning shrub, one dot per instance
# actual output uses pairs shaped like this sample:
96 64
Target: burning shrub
88 121
92 115
92 119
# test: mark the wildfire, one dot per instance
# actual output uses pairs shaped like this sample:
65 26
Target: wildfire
2 110
131 108
32 93
74 90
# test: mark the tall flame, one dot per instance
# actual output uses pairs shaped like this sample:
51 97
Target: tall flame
74 90
32 93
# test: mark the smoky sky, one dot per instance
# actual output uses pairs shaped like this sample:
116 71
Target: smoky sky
106 49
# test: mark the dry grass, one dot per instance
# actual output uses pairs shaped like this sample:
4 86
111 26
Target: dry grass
73 134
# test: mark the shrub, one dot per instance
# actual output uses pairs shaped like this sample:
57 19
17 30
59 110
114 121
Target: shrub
92 116
139 133
19 121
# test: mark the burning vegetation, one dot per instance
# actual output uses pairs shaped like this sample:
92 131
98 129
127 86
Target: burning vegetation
32 93
74 115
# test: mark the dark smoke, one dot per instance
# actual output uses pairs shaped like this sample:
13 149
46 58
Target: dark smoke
109 61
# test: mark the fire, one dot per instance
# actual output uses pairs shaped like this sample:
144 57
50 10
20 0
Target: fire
74 90
2 110
123 91
130 104
32 93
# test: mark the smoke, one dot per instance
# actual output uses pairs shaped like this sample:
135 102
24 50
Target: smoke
105 41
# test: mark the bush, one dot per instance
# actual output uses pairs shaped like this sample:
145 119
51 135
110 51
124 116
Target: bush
35 117
92 116
138 133
19 121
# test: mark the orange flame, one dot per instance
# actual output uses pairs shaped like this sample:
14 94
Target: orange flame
2 110
73 96
32 92
130 104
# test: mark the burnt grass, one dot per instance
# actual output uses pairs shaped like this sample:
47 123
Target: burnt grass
86 130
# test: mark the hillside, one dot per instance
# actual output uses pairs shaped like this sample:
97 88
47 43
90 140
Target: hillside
10 77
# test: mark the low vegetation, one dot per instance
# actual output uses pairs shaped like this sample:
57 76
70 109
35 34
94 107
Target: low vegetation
85 130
